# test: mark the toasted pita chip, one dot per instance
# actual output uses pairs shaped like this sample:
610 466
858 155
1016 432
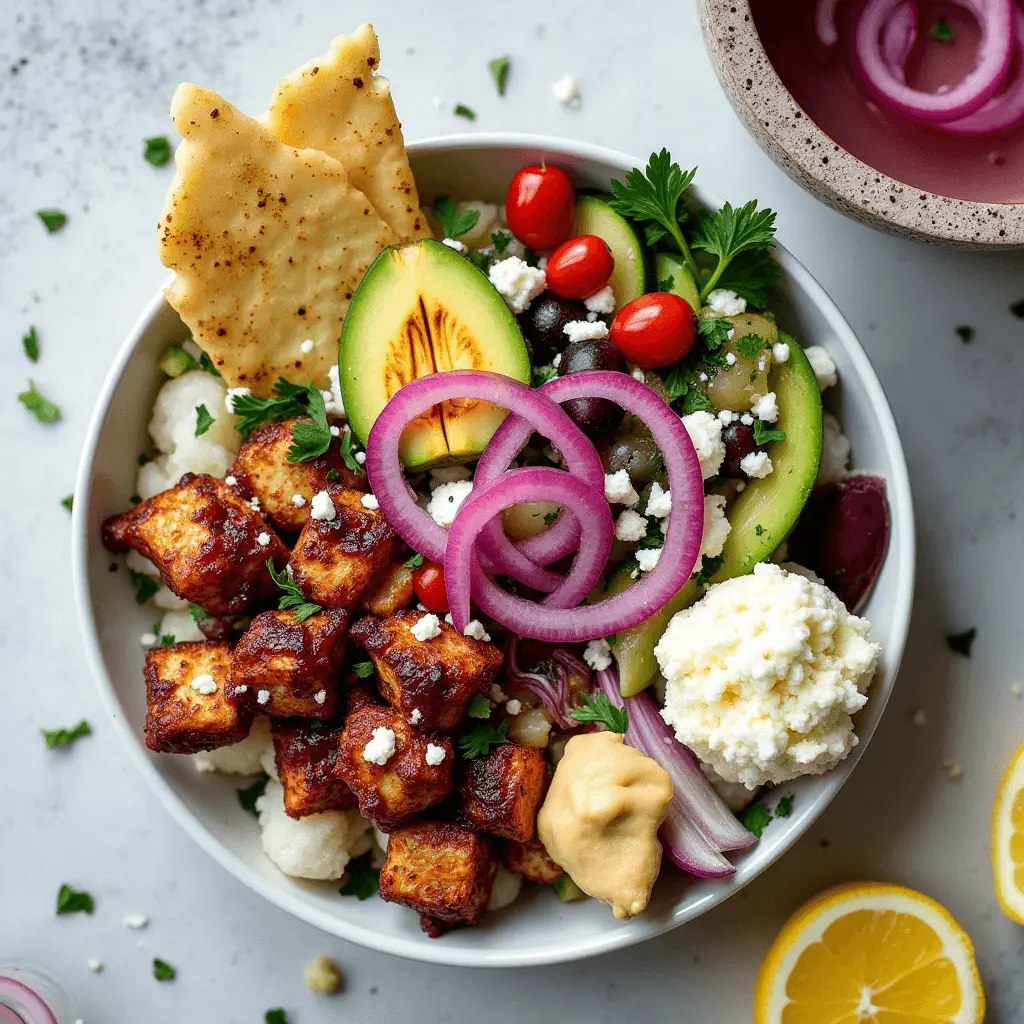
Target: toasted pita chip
267 243
339 105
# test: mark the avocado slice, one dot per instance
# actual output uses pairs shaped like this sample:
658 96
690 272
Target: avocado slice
421 308
761 517
668 267
632 263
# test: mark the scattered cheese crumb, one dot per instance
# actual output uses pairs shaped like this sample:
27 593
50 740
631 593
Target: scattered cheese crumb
766 408
602 301
823 365
95 965
619 490
454 243
566 91
262 696
369 501
427 627
630 526
230 481
360 458
136 921
148 639
639 375
727 302
263 539
513 707
435 754
306 347
705 432
298 500
416 717
475 629
204 684
333 402
232 394
518 282
659 504
747 420
598 654
446 500
585 330
322 507
954 770
727 416
323 976
335 430
382 747
780 352
498 695
254 504
757 465
320 696
730 359
647 558
244 688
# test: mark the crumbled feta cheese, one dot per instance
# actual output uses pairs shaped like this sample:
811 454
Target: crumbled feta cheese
747 420
333 402
823 365
204 684
639 375
757 465
835 450
727 302
95 965
557 361
518 282
618 488
306 347
566 91
585 330
498 695
602 301
647 558
762 362
230 481
369 501
780 352
475 629
262 696
703 377
705 432
335 430
591 316
598 654
716 527
232 394
242 689
298 500
360 458
659 504
136 921
416 717
513 707
426 627
730 359
381 747
766 408
435 754
322 507
320 696
446 499
263 539
148 639
727 416
630 526
454 243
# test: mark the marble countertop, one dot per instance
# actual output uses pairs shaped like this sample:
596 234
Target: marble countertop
81 84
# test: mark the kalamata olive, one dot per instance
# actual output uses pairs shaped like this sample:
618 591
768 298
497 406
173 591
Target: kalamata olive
596 417
633 449
543 325
739 442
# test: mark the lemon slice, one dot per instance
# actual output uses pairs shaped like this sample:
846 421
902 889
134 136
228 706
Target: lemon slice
869 952
1008 840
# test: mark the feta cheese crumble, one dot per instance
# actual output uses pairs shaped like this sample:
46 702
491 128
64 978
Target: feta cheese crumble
730 359
335 430
513 707
566 91
333 402
322 507
780 352
136 921
705 432
416 717
823 365
298 500
306 347
369 501
263 539
320 696
382 747
648 558
435 754
262 696
619 490
148 639
454 243
716 527
360 458
518 282
766 408
232 394
230 481
598 655
639 375
835 450
446 499
204 684
585 330
426 627
602 301
475 630
630 526
727 302
757 465
727 416
747 420
659 504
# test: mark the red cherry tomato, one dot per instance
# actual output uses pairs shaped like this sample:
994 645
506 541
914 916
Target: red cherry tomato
540 206
654 330
428 582
580 267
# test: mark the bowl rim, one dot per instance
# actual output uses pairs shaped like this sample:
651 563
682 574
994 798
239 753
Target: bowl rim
845 181
902 543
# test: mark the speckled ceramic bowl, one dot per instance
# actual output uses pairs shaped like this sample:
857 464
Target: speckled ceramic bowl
813 160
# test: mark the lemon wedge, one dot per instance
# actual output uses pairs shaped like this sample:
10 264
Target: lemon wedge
1008 840
869 952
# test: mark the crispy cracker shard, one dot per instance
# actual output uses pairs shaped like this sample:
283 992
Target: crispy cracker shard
502 791
267 243
339 105
306 754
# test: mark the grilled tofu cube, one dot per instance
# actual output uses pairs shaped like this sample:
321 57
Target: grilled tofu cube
390 590
437 677
188 706
407 782
441 870
334 560
286 668
306 755
205 540
532 861
502 791
262 470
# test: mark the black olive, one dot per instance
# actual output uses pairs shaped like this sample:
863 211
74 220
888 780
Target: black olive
596 417
542 325
739 442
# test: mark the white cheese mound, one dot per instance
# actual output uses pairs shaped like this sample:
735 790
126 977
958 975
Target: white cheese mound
648 558
727 302
585 330
446 499
426 627
602 301
835 450
763 675
705 432
243 758
630 526
598 654
716 527
766 408
381 747
518 282
823 365
566 90
618 488
757 465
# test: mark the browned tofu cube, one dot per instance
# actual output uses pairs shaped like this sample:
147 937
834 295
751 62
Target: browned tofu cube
390 590
334 560
391 787
532 861
502 791
441 870
188 707
306 755
286 668
262 470
206 542
437 677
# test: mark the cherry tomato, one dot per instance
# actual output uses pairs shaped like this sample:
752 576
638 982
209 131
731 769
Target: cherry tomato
580 267
654 330
428 582
540 206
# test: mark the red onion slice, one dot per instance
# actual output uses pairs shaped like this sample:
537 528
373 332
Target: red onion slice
553 695
825 21
23 1000
898 39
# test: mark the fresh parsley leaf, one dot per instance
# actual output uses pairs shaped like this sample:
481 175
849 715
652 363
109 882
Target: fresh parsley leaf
30 343
461 110
960 643
965 334
941 31
333 476
715 331
275 1016
142 458
135 499
42 408
53 219
763 434
158 150
363 669
310 440
759 530
162 970
479 707
206 363
499 72
695 401
167 640
755 818
348 451
482 739
293 598
665 284
454 222
708 568
145 586
415 562
678 381
361 881
610 640
600 709
784 808
68 502
61 737
500 240
751 274
288 402
203 420
550 517
750 345
542 374
198 613
73 901
730 231
248 795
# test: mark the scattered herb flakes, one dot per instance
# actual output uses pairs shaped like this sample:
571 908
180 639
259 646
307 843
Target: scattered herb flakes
500 240
961 643
168 640
158 150
714 330
42 408
203 420
30 343
68 502
499 72
784 808
361 881
600 709
287 403
311 440
198 613
143 458
248 795
941 31
348 452
965 334
62 737
415 562
755 818
454 222
1017 309
277 1016
482 739
479 707
293 598
461 110
708 568
135 499
542 374
162 970
550 517
764 434
750 345
363 669
54 220
145 586
205 363
333 476
759 530
73 901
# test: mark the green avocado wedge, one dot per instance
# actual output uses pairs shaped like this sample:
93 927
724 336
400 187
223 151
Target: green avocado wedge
761 517
632 261
670 268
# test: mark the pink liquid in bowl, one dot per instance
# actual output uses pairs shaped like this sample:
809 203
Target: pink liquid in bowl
987 168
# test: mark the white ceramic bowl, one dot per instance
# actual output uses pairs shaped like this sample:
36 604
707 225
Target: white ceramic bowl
537 929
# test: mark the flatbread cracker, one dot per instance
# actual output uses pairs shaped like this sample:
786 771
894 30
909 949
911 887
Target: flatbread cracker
339 105
267 243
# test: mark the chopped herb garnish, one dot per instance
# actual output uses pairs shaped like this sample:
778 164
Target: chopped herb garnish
361 881
248 795
73 901
479 707
454 222
715 331
30 343
62 737
550 517
348 452
333 476
695 401
708 568
759 530
289 401
68 502
363 669
750 275
755 818
198 613
135 498
600 709
750 345
310 440
293 598
784 808
413 563
53 219
499 72
665 284
965 333
500 239
158 150
960 643
42 408
168 640
728 233
941 31
542 374
206 363
145 586
481 740
275 1016
610 640
461 110
763 434
1017 309
203 420
162 970
142 458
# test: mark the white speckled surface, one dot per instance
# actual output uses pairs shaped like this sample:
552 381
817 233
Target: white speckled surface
98 80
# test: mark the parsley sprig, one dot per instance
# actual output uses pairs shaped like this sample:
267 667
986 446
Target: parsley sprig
292 597
62 737
74 901
729 232
600 709
454 222
310 440
30 343
756 817
764 434
42 408
361 881
481 740
288 401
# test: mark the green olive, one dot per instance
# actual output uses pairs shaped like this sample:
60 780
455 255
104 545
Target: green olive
738 386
